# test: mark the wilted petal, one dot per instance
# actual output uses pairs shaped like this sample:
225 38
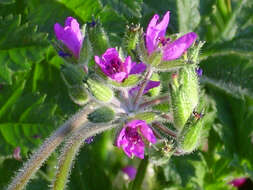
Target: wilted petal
89 140
175 49
16 153
130 171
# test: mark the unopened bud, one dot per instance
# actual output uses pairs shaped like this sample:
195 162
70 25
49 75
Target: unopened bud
190 136
102 114
78 94
99 91
72 74
184 95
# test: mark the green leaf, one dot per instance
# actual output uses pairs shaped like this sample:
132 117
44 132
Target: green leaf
242 45
20 45
125 7
230 73
188 15
7 1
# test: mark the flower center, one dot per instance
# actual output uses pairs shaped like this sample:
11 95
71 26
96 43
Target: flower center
132 134
163 40
115 66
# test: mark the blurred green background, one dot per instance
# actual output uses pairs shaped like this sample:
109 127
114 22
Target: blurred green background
34 100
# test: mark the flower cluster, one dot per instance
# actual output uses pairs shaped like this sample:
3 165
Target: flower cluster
128 82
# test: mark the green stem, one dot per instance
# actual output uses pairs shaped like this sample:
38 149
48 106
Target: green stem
71 148
140 174
49 145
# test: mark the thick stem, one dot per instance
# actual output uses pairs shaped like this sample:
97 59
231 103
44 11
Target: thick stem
142 86
49 145
154 102
71 148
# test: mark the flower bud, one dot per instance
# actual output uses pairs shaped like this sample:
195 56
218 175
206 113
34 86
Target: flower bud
100 91
190 136
78 94
132 36
98 39
72 74
102 114
184 92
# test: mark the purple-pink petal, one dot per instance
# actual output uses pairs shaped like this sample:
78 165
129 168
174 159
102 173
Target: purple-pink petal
130 171
115 68
238 182
137 68
110 54
70 35
151 84
175 49
148 133
156 31
130 138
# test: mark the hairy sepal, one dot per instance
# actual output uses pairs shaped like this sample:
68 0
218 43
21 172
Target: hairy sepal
184 92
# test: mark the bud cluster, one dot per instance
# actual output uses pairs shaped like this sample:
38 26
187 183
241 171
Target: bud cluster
126 85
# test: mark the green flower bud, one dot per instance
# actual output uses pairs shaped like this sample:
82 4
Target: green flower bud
131 37
86 51
100 91
78 94
102 114
190 136
72 74
184 92
98 39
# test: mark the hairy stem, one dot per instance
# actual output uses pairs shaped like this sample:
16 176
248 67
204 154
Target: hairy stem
143 86
154 102
71 148
49 145
164 129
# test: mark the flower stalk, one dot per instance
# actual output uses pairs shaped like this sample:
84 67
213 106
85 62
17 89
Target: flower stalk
71 149
49 145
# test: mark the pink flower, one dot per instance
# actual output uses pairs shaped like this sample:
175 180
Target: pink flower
238 182
115 68
70 35
130 171
155 37
131 138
